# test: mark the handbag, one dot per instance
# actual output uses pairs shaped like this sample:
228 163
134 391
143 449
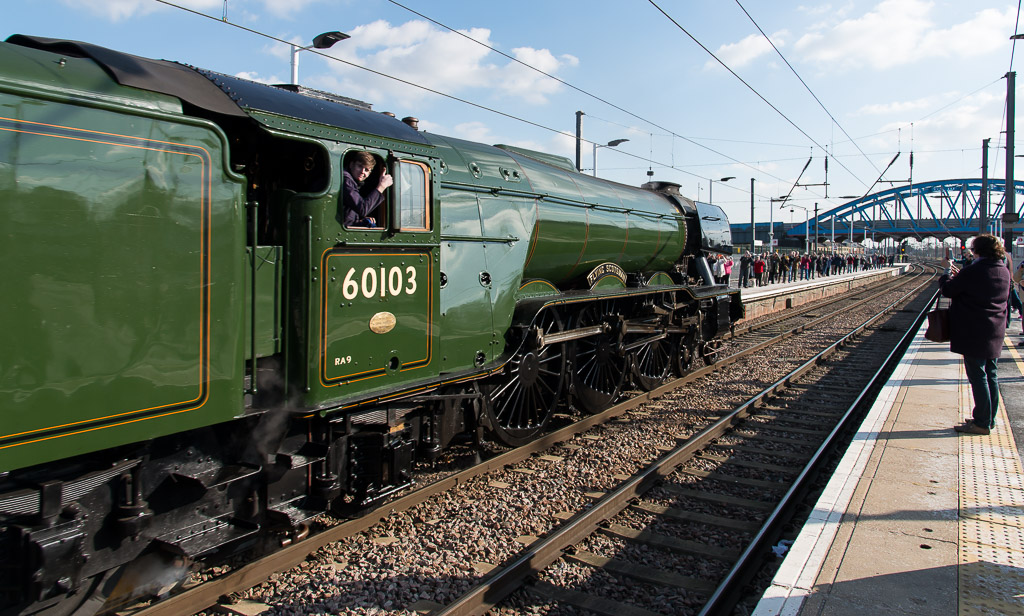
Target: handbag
938 325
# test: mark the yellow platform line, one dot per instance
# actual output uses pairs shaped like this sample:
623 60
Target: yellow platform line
991 514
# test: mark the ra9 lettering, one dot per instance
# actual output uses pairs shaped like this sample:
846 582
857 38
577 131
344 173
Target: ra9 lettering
379 282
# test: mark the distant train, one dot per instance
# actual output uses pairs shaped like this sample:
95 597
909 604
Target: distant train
199 355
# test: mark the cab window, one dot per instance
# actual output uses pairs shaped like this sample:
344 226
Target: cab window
362 206
414 197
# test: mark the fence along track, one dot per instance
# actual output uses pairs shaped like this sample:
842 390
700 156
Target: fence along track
542 554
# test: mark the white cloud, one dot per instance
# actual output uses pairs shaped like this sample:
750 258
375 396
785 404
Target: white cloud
741 53
411 52
821 9
473 131
963 124
251 76
897 107
284 8
519 80
900 32
987 31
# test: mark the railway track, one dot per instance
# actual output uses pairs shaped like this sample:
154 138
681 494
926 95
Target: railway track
243 577
756 462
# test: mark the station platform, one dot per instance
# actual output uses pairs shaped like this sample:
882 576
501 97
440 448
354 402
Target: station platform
918 519
768 299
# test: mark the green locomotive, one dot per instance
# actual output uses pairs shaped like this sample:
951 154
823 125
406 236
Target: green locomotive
200 355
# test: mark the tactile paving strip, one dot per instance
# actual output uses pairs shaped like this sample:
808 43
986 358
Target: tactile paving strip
991 529
995 591
993 543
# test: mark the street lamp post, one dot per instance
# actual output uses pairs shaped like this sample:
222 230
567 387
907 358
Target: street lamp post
753 236
815 227
610 144
321 41
771 215
807 224
711 186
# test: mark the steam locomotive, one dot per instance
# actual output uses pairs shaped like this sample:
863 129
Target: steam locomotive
199 355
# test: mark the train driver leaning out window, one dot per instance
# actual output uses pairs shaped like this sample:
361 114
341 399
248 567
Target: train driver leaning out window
361 198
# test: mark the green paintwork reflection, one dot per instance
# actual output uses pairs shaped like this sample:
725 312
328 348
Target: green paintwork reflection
117 335
466 323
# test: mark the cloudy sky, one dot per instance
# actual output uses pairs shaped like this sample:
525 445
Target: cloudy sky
702 89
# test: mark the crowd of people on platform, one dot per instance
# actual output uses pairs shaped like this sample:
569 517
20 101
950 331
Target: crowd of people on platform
759 269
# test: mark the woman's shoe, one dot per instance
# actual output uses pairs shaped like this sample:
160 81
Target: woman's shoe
971 428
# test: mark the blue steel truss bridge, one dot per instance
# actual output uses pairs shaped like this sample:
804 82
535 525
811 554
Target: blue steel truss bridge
937 209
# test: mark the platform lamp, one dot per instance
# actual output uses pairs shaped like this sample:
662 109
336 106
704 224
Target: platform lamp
610 144
324 40
711 185
771 219
807 223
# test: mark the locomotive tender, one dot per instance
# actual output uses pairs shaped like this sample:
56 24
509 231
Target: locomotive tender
198 356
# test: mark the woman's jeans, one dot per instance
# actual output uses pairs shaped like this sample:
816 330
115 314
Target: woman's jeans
984 380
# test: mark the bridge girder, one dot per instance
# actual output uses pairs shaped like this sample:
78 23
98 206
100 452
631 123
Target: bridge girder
941 208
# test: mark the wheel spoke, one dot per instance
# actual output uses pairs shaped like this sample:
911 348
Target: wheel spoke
651 363
598 371
521 401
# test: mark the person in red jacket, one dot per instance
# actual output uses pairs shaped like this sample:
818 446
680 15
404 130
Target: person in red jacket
805 267
759 270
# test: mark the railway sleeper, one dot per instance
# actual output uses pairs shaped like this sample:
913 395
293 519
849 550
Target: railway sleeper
717 476
760 450
750 463
665 542
597 605
724 499
694 516
641 573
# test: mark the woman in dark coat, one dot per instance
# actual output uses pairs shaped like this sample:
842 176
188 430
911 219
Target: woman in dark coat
977 322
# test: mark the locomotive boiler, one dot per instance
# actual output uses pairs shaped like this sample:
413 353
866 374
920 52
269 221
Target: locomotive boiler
198 355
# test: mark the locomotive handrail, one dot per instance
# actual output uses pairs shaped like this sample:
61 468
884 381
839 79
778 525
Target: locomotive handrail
347 244
498 190
510 239
253 207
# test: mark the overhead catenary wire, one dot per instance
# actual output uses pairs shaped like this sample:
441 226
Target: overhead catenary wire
581 91
651 162
369 70
482 107
1013 44
807 87
749 87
